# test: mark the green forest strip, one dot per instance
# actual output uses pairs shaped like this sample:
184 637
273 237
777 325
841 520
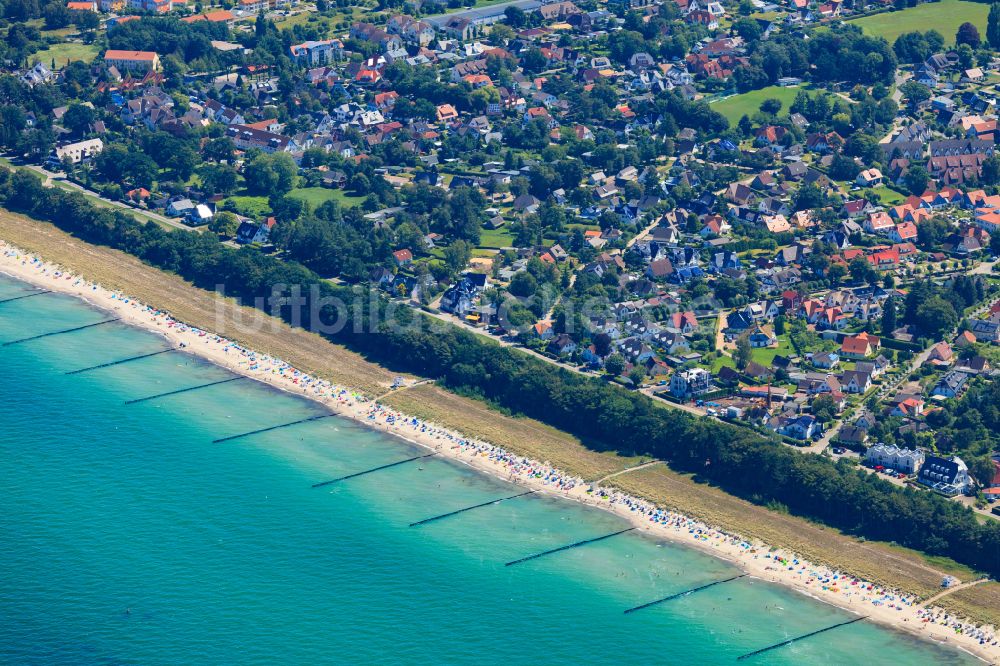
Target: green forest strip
606 417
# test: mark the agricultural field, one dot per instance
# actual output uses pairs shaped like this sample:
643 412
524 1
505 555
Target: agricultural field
748 103
944 16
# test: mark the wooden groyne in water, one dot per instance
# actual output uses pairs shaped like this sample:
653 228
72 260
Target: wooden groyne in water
469 508
567 547
119 362
799 638
276 427
369 471
682 594
17 298
183 390
65 330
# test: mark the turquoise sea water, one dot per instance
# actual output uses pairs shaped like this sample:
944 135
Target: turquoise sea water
128 537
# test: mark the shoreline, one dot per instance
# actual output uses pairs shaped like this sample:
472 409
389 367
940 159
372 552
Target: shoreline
889 608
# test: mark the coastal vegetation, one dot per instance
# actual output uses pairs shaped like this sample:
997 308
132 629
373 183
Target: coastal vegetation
605 417
874 561
982 600
528 437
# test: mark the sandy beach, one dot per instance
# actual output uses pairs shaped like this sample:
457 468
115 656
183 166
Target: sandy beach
891 608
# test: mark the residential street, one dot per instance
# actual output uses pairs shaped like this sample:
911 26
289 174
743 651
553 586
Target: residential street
52 178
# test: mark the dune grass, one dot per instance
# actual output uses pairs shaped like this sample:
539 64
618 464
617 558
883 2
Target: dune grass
523 436
980 602
877 562
117 270
883 563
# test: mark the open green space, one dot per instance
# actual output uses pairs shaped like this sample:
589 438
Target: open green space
748 103
763 355
944 16
59 33
326 21
496 238
249 205
889 196
316 196
66 52
573 226
257 207
4 162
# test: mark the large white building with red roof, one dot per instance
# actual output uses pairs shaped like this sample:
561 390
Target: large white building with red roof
136 61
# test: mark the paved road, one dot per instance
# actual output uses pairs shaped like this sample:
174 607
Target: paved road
984 268
685 407
720 338
901 78
921 358
503 342
642 234
50 181
649 390
820 444
971 503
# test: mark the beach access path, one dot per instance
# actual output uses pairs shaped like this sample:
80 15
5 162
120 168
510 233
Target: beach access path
950 590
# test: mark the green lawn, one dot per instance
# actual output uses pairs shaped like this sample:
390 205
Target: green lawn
65 52
748 103
258 206
59 33
944 16
249 205
486 3
763 355
889 196
317 196
722 362
573 226
4 162
496 238
324 21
